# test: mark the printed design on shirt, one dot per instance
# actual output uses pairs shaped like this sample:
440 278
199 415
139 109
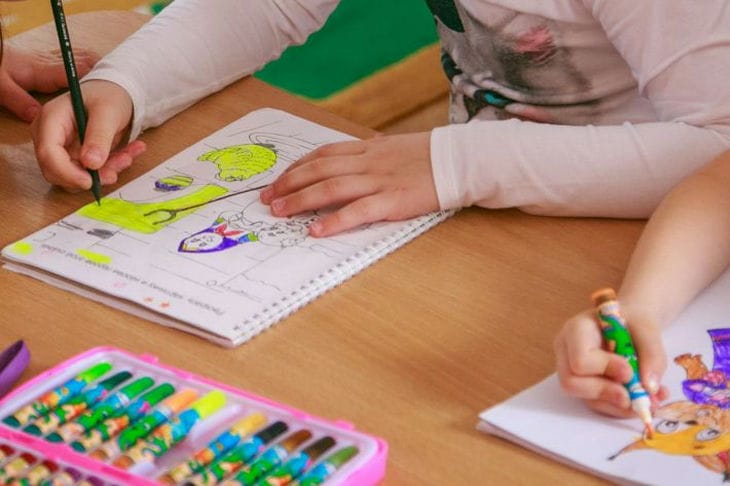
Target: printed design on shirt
241 162
509 64
233 228
699 426
446 12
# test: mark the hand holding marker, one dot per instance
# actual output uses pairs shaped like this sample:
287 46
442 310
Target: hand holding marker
619 341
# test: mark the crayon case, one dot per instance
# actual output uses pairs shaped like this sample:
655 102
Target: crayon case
196 427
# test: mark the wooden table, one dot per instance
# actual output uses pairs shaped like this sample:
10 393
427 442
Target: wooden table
411 349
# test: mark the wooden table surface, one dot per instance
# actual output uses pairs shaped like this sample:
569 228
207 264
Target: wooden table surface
411 349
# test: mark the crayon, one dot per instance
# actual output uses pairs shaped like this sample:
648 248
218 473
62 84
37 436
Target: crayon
319 473
168 435
269 460
215 449
76 406
618 339
238 457
42 471
57 396
16 466
109 407
5 452
67 477
113 425
298 463
145 425
90 481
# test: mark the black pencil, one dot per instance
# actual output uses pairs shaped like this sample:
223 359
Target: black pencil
64 41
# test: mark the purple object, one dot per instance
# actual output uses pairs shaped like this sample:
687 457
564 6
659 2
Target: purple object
13 362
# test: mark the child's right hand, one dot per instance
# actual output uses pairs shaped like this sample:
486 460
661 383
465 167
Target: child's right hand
588 371
61 158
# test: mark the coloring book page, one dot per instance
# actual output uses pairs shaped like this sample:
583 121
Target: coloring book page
691 443
189 243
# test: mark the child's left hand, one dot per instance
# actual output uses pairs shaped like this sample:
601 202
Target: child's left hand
383 178
23 71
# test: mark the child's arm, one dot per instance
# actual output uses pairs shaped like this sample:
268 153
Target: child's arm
190 50
580 166
684 247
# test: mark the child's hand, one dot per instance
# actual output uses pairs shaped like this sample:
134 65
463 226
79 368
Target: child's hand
384 178
62 160
23 71
587 371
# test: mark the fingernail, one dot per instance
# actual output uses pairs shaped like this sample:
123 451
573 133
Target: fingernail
32 112
621 401
652 384
266 193
315 228
277 205
94 158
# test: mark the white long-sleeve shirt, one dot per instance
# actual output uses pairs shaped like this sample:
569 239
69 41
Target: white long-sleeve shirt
559 107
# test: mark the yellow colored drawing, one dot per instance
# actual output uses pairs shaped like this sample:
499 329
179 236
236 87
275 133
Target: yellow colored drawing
95 257
240 162
144 217
22 248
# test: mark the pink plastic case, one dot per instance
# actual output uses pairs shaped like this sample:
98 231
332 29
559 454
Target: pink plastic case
365 468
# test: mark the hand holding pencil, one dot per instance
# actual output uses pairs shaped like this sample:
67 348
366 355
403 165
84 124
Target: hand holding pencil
590 370
75 134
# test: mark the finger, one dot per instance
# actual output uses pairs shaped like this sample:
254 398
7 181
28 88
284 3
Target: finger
17 100
607 408
330 192
355 147
587 359
101 131
308 174
651 354
51 135
85 60
362 211
593 388
119 161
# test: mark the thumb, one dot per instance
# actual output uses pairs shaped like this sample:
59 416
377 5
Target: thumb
17 100
651 353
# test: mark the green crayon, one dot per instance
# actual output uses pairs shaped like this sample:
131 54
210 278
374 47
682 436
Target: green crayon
57 396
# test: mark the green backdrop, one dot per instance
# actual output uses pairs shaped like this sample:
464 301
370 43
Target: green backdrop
359 38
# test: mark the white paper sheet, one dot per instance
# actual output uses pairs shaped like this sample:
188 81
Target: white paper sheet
694 426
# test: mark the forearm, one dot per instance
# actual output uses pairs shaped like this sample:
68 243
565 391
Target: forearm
559 170
196 47
685 246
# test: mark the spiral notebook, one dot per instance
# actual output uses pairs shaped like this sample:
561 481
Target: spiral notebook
189 244
691 442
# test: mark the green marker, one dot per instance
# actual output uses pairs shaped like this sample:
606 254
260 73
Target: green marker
114 425
110 407
77 405
57 396
618 339
319 473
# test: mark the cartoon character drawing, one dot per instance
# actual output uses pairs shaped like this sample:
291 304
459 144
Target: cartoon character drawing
699 426
241 162
232 228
